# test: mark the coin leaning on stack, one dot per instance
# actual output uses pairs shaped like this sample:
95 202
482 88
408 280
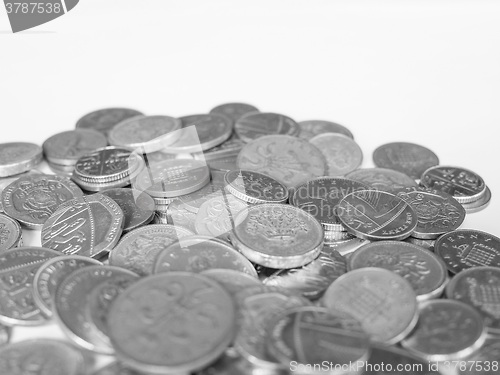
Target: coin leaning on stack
270 250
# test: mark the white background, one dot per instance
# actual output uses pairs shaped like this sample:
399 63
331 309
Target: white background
423 71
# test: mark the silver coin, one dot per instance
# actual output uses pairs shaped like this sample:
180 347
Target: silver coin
342 154
5 333
199 253
82 302
426 244
138 208
173 178
437 212
116 368
321 196
479 287
277 235
32 199
41 356
145 133
106 168
311 128
6 181
257 124
408 158
177 215
315 336
209 130
376 215
90 225
290 160
447 331
383 302
138 249
234 110
312 279
67 147
17 270
104 119
467 248
425 272
18 157
254 187
464 185
51 274
172 323
480 204
257 308
382 179
224 156
10 233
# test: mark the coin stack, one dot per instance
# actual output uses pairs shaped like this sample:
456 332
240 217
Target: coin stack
242 242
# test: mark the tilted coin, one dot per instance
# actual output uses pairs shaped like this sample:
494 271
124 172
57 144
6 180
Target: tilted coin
313 336
255 187
18 157
479 287
146 133
320 197
138 249
312 279
10 233
289 160
106 168
333 236
277 235
447 330
348 246
172 178
41 356
408 158
67 147
104 119
376 215
437 212
480 204
62 170
388 359
17 270
138 207
466 248
257 308
5 333
342 154
425 272
201 132
90 225
51 274
234 110
193 201
171 323
382 179
485 361
233 281
82 302
383 302
311 128
217 215
464 185
257 124
199 253
32 199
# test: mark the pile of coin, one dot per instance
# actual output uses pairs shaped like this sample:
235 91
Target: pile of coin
242 242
